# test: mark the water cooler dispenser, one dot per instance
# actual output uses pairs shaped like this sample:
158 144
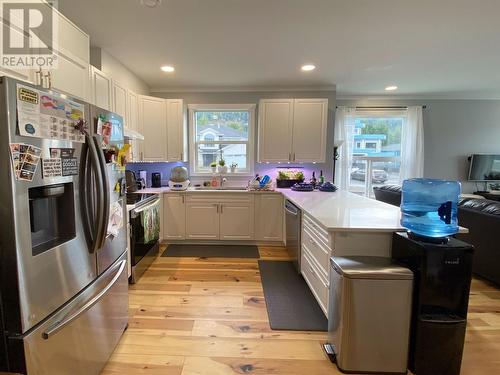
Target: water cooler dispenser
442 267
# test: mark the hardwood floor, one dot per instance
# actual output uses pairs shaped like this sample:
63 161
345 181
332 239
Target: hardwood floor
193 316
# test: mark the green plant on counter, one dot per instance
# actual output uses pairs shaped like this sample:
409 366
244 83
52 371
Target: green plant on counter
282 175
222 162
213 164
290 175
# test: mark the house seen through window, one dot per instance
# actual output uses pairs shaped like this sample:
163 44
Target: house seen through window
221 132
376 147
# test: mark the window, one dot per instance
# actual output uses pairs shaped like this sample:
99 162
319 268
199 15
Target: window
223 131
377 151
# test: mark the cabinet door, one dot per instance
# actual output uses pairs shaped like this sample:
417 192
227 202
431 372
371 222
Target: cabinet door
309 130
16 37
269 217
174 217
237 221
133 123
120 101
153 126
202 221
275 130
176 132
101 88
71 76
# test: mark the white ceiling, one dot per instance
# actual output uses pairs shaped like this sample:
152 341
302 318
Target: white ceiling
429 48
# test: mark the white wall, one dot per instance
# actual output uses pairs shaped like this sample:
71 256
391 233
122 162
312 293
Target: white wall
453 130
115 69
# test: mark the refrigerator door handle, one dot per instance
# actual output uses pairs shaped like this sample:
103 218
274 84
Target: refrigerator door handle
103 207
95 222
51 331
84 196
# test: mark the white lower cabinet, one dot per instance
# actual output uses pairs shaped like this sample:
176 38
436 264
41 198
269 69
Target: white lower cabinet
237 221
268 217
219 216
202 220
174 217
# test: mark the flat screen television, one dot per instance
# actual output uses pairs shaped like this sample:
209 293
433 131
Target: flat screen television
484 167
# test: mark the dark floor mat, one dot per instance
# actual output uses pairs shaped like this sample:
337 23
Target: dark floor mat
212 251
290 303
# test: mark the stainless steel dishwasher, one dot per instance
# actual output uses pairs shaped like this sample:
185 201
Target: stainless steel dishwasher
293 227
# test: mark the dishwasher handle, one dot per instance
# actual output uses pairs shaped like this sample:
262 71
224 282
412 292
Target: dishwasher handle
291 209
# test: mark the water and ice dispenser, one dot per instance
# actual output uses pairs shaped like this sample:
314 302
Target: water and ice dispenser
442 268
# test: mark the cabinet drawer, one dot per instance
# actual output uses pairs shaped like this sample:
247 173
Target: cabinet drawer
318 231
317 249
318 285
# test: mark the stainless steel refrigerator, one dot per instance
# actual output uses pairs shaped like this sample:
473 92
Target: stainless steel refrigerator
64 290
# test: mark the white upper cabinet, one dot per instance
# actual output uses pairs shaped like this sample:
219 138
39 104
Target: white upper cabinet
73 52
133 123
162 122
310 117
153 126
120 100
132 110
101 89
176 130
292 130
275 130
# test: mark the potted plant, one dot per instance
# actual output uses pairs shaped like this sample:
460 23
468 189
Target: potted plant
222 166
213 167
233 167
287 178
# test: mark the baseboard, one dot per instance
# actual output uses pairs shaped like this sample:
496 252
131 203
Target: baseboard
225 242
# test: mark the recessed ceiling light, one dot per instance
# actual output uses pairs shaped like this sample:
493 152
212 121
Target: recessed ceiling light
150 3
391 88
308 67
168 68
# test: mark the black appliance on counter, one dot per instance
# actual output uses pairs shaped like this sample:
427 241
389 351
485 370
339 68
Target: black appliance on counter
442 277
156 180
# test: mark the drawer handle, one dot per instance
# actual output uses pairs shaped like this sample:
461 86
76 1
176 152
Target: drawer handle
312 241
312 271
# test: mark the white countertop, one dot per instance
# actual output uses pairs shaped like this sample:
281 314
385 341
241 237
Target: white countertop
166 189
345 211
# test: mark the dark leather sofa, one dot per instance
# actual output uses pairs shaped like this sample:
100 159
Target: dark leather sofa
480 216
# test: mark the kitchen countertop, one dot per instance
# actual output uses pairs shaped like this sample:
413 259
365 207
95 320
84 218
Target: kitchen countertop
166 189
337 211
345 211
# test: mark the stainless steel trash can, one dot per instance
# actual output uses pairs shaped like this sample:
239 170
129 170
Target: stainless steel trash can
369 314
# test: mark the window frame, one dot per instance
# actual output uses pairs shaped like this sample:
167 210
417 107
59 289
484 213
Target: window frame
250 143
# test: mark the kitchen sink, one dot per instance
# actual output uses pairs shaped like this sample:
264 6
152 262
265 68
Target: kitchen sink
226 188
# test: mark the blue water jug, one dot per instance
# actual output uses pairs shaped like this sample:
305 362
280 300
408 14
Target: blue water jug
429 207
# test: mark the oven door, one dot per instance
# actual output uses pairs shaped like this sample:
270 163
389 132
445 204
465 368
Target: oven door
144 234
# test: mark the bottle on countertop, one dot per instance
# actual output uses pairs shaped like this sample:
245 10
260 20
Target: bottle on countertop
321 178
313 179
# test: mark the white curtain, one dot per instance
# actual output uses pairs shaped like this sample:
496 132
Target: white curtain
412 144
345 118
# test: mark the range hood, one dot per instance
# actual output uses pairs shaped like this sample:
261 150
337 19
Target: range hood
132 134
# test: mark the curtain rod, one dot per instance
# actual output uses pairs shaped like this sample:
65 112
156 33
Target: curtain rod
384 107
